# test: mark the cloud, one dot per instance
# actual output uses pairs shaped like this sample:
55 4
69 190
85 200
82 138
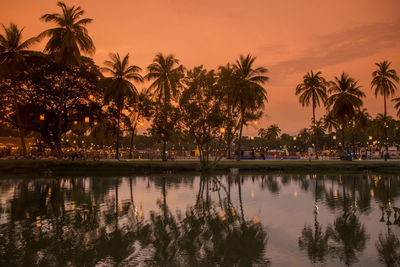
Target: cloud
340 47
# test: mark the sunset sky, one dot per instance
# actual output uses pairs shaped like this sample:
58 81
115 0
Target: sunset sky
287 37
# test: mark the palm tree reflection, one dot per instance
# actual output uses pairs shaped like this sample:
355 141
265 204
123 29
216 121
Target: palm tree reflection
315 241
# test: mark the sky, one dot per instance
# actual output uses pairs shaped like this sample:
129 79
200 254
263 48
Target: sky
288 37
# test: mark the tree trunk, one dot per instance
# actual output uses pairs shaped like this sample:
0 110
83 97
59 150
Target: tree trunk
117 143
239 152
19 123
314 133
164 148
343 143
385 124
60 115
132 137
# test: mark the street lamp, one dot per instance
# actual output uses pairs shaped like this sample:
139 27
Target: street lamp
41 117
222 130
87 119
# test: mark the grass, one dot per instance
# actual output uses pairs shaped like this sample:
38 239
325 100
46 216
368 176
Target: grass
107 168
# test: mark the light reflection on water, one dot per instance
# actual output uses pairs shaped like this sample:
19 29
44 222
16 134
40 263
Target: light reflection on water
175 220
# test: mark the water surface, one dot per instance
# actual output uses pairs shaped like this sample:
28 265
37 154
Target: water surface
177 220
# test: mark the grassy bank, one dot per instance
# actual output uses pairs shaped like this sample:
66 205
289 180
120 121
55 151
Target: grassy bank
141 167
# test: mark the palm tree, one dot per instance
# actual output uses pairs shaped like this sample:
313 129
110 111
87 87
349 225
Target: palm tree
12 59
384 80
312 90
345 98
252 94
66 41
119 86
397 105
166 74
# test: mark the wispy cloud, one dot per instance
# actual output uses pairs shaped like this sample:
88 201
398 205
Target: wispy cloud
340 47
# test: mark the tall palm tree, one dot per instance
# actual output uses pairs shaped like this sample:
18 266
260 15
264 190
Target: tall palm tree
13 51
118 87
252 94
384 79
312 90
66 42
345 98
166 74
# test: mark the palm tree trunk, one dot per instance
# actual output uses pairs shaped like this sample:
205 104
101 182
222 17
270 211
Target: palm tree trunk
117 143
19 123
314 133
343 143
239 152
385 124
60 114
164 155
132 137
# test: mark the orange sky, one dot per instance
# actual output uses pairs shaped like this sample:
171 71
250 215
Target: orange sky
288 37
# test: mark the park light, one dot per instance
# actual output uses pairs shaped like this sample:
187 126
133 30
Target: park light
41 117
252 137
370 137
67 140
294 138
222 130
83 142
75 122
95 123
334 137
91 97
255 123
74 142
122 123
87 119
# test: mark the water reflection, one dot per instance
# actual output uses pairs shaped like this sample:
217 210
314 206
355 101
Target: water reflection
200 220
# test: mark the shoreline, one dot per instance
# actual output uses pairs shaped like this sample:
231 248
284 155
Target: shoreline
109 168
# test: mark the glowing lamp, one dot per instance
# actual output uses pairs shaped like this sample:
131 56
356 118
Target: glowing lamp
334 137
95 123
75 122
370 137
222 130
87 119
294 138
41 117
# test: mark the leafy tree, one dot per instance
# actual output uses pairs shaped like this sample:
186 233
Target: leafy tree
41 97
166 75
251 93
13 51
345 98
65 43
139 108
202 113
384 79
118 87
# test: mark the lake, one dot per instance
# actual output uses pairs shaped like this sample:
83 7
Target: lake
194 220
